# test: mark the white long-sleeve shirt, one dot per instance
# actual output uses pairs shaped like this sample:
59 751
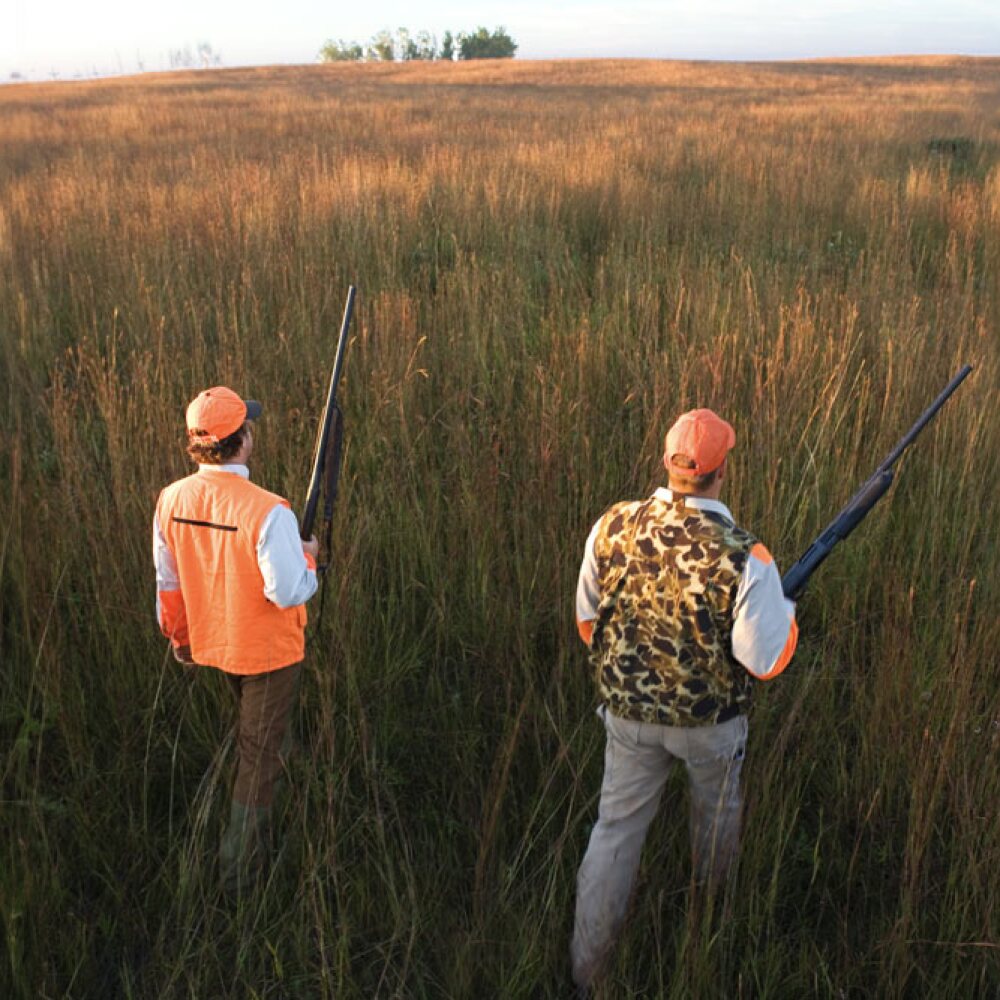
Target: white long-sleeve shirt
764 628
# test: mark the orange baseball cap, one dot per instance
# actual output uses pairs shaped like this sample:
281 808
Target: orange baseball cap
216 413
703 437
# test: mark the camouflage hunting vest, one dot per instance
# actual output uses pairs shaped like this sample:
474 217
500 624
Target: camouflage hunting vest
661 647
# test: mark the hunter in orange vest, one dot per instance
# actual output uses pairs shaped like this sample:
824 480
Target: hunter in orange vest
232 579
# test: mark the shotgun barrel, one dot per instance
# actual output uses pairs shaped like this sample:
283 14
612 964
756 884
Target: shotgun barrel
857 508
326 457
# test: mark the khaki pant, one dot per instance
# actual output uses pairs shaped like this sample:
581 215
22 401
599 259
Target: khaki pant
637 760
264 732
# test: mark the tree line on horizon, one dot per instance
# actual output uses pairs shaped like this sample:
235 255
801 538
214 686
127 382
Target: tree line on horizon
404 46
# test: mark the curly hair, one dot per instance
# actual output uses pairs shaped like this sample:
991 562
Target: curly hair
217 452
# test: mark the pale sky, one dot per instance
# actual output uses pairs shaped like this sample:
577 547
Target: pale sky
69 37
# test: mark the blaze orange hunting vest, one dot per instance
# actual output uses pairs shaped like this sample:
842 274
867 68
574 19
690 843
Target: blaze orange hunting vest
211 522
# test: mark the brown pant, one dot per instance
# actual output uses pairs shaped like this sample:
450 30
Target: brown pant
264 735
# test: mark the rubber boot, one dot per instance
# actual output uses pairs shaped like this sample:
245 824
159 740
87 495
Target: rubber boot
245 848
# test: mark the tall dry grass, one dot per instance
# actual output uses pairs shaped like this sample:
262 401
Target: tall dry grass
554 260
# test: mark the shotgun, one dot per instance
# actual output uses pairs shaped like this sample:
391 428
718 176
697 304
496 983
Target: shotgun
794 581
329 439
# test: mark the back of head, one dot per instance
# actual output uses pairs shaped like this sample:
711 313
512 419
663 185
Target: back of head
217 424
695 450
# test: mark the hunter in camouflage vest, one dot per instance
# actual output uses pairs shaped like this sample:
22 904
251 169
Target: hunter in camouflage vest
681 610
668 575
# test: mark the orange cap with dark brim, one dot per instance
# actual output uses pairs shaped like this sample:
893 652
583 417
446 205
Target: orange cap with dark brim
216 413
701 437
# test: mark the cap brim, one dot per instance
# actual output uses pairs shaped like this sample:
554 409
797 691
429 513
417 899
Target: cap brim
254 409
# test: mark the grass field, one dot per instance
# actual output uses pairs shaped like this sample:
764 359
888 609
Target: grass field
554 259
